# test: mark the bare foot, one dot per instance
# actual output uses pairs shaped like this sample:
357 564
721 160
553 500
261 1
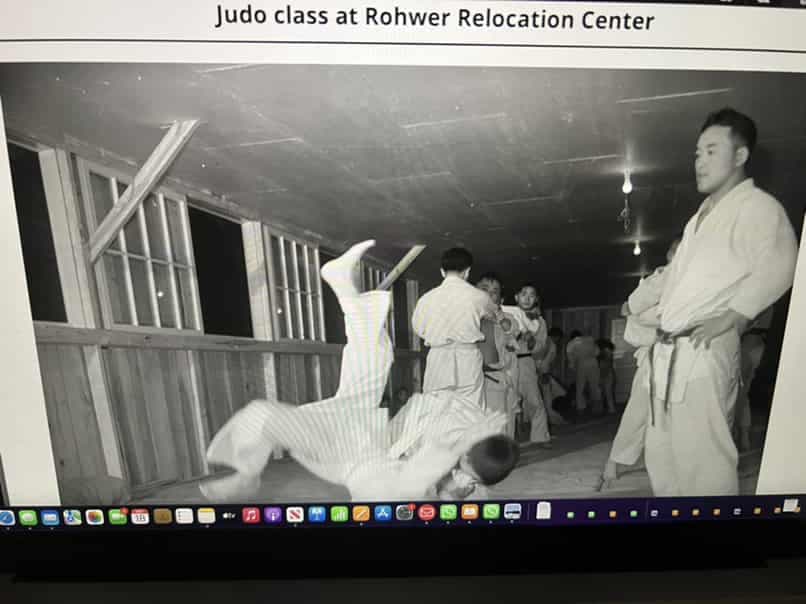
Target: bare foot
609 475
342 273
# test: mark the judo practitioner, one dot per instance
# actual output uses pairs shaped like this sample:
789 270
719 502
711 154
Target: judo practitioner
550 388
607 372
643 319
500 377
448 318
346 439
533 335
581 352
736 258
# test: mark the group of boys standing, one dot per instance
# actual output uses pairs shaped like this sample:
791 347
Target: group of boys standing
497 356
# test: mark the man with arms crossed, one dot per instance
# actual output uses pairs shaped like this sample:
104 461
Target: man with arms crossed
737 257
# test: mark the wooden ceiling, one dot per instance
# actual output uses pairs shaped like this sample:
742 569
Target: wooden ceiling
522 166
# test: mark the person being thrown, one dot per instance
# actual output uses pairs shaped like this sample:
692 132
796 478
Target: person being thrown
347 439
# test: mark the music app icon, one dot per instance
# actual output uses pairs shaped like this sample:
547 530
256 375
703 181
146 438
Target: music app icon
250 515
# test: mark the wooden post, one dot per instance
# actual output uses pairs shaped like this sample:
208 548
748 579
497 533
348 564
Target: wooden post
146 179
260 293
75 281
412 295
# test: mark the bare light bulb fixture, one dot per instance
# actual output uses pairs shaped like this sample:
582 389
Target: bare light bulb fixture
636 251
626 188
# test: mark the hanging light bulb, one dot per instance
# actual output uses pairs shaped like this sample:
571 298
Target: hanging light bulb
636 251
626 188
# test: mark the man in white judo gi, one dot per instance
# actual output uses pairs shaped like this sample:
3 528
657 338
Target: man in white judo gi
500 377
448 318
736 258
437 439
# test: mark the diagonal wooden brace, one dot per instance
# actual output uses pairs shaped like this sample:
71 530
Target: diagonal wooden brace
144 182
401 267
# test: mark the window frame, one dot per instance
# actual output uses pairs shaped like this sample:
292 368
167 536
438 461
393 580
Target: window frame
372 274
162 195
283 292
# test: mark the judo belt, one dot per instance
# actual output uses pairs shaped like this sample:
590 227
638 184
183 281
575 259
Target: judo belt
491 378
663 337
455 346
523 355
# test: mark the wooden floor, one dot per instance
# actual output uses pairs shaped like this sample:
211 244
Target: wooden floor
570 469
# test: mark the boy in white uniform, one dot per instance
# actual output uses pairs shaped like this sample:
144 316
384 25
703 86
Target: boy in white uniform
448 318
534 333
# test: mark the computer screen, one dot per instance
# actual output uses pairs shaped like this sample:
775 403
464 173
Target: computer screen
434 264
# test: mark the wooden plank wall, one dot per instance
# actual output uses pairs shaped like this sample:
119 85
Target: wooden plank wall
151 396
228 381
73 425
597 323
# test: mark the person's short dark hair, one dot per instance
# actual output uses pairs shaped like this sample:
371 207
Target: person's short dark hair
742 127
556 332
493 458
528 284
456 259
489 277
575 334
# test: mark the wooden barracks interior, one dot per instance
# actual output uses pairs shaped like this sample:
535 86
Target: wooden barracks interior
152 331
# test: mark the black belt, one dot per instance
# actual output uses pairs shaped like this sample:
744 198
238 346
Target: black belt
523 355
489 377
663 337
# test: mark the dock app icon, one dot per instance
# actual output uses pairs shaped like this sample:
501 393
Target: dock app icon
7 518
250 515
543 510
404 512
273 515
317 514
294 515
512 511
140 516
72 517
184 516
94 517
50 518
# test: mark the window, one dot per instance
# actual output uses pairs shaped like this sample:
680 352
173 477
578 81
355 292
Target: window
147 276
39 254
221 268
400 311
371 278
297 289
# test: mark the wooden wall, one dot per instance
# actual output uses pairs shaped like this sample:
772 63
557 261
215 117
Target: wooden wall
227 382
151 394
167 402
71 415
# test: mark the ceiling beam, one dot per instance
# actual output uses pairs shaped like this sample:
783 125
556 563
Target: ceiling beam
143 183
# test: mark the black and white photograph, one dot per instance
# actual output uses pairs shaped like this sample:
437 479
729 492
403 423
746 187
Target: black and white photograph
322 283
